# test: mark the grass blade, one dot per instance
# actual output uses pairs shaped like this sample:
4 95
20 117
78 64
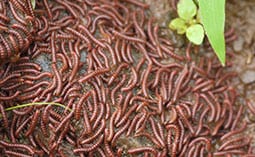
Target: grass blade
33 3
37 103
213 19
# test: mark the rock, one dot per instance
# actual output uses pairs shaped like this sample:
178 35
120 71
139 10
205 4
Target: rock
238 44
248 76
45 62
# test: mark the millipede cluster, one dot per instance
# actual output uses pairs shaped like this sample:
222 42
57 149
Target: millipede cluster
16 29
129 92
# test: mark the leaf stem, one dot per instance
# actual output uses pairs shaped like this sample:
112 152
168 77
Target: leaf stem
36 103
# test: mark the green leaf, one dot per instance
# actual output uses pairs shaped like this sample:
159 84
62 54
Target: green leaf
179 25
186 9
213 19
195 34
33 3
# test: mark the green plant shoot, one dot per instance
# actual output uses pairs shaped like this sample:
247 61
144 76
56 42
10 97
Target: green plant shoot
212 14
187 23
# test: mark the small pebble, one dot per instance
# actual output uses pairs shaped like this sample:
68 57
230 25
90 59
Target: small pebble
248 76
238 44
